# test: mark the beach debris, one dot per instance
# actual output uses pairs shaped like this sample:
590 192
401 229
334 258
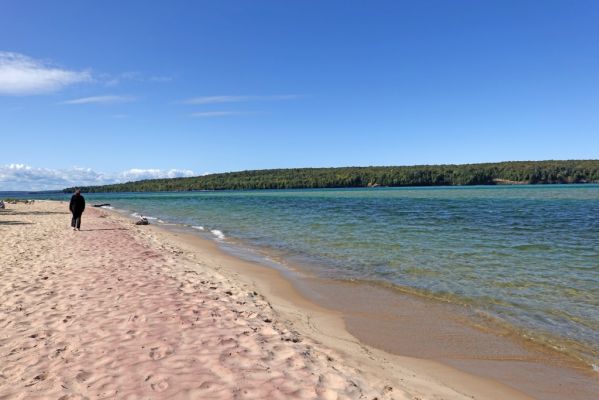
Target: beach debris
2 206
102 205
142 221
16 201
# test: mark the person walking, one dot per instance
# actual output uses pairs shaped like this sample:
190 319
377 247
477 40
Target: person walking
77 206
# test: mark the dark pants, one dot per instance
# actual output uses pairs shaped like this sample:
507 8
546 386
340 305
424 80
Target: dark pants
76 221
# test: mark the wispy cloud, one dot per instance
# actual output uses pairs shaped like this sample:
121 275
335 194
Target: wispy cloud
25 177
106 99
23 75
212 114
133 76
237 99
136 174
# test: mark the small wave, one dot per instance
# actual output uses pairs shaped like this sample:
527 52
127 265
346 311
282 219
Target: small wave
137 215
198 227
217 233
108 207
532 247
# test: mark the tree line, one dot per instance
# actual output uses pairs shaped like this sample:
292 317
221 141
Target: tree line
511 172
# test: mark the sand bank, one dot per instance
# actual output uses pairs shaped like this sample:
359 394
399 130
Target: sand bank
127 312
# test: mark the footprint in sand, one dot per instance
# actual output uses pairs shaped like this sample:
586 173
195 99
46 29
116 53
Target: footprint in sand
160 386
159 352
41 377
73 397
82 376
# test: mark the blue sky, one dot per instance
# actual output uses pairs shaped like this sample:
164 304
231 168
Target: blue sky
94 92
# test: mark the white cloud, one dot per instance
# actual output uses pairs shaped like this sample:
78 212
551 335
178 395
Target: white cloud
25 177
105 99
136 174
132 76
211 114
237 99
22 75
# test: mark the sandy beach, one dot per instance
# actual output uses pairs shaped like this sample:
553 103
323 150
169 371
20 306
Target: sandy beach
118 311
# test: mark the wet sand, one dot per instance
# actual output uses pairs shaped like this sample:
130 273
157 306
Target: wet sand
120 311
412 326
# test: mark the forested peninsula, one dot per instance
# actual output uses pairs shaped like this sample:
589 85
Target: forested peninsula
511 172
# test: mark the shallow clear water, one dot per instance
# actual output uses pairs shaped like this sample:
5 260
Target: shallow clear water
526 254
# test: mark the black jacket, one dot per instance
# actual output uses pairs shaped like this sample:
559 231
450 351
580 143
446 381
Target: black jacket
77 204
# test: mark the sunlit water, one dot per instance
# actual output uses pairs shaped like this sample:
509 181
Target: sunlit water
528 255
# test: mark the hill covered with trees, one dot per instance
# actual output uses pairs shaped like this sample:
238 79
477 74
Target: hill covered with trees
511 172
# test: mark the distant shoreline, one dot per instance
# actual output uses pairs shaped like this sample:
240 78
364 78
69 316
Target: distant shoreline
502 173
24 193
498 182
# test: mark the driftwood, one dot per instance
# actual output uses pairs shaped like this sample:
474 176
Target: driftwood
101 205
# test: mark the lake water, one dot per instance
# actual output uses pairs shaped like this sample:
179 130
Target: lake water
527 255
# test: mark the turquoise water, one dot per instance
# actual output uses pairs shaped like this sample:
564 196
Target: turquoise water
528 255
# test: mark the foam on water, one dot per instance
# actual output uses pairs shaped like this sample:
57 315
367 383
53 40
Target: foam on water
137 215
217 233
198 227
